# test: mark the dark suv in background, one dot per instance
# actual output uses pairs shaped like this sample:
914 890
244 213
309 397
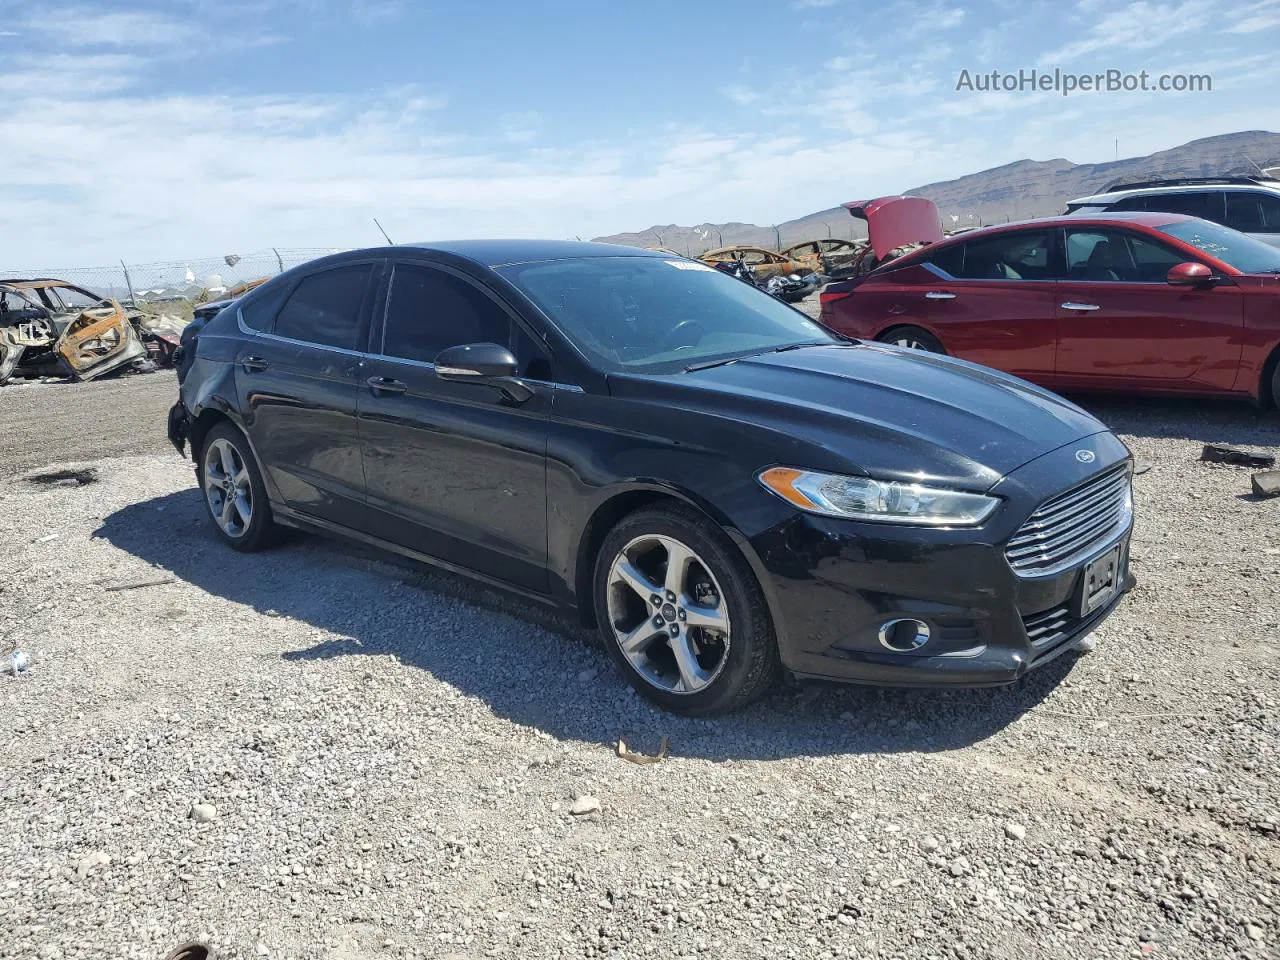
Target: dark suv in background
1248 204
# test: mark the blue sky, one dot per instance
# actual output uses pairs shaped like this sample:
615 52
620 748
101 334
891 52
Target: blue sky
158 129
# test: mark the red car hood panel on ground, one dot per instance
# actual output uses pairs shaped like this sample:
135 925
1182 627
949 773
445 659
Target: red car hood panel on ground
894 221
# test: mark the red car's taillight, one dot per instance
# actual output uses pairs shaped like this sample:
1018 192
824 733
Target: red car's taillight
824 298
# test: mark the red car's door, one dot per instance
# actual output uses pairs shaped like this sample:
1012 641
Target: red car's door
1122 326
989 300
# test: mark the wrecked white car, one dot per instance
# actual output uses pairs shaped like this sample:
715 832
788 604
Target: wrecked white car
53 328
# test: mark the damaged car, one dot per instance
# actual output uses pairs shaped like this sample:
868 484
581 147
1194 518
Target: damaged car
762 263
53 328
830 256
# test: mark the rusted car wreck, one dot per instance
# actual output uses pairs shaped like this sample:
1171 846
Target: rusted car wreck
53 328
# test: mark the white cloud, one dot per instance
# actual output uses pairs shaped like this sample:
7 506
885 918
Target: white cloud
522 127
1144 25
740 94
102 165
89 27
1255 17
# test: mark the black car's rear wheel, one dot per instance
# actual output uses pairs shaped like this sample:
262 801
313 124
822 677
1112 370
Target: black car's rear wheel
234 494
682 614
913 338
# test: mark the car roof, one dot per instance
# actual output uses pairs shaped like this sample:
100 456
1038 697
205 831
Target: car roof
737 246
1070 220
494 253
1237 185
1066 220
43 283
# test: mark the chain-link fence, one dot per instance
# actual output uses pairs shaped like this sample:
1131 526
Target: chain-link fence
179 283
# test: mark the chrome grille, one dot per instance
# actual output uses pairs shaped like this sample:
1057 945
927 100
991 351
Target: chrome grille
1065 529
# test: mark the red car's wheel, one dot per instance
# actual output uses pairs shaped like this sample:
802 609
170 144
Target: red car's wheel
912 338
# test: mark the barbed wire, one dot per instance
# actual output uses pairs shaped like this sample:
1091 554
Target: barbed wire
190 279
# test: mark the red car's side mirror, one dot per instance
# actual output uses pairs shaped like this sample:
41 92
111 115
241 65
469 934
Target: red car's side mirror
1190 275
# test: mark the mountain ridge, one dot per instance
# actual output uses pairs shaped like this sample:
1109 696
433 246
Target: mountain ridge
1012 191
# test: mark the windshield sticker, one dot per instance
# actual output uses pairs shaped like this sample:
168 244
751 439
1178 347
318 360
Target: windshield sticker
688 265
1207 245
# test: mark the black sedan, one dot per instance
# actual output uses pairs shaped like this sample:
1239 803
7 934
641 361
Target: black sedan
726 488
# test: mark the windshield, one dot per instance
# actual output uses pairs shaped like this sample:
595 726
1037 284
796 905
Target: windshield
650 315
1230 246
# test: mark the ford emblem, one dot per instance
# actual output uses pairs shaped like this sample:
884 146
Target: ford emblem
1086 456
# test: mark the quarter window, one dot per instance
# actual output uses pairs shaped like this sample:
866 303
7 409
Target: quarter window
325 307
950 260
259 311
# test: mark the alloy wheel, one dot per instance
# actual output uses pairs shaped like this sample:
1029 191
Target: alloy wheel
227 488
669 616
910 343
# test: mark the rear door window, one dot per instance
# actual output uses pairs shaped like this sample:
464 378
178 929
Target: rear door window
1253 212
325 307
1021 255
1206 204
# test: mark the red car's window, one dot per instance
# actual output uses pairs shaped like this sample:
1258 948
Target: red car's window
1022 255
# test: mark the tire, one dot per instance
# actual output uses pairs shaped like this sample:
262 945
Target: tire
913 338
1275 385
224 445
723 668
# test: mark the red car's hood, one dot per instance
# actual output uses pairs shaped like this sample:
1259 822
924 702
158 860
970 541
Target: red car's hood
894 221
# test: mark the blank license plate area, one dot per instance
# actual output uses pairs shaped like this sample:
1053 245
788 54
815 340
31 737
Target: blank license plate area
1099 582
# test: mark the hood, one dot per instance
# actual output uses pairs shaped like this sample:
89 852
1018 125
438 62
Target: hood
893 413
893 222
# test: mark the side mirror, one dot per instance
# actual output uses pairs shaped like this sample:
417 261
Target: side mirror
489 363
1190 275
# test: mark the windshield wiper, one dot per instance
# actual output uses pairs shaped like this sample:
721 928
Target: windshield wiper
708 364
802 344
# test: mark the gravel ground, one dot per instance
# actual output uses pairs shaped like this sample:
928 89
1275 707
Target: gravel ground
313 752
70 421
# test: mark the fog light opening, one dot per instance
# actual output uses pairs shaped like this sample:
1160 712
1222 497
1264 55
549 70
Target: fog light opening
904 635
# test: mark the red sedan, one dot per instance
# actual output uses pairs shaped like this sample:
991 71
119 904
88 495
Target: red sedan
1152 303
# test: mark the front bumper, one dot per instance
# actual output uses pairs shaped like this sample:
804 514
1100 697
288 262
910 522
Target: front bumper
834 583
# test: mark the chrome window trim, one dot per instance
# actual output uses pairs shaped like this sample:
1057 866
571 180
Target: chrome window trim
430 365
245 329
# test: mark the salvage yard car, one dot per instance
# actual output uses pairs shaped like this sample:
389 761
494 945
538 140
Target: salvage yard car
52 327
831 257
724 487
1145 303
763 264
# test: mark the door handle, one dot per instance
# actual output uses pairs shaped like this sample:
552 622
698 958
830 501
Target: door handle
253 364
1082 307
939 295
386 387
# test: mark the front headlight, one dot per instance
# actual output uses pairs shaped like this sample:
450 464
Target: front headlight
886 501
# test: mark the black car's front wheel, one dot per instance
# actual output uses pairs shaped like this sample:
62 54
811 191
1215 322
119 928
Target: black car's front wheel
682 614
233 490
913 338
